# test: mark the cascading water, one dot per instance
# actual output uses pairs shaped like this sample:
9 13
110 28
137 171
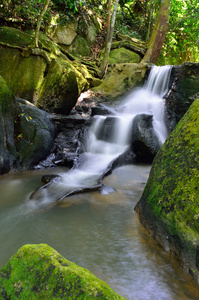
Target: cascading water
110 136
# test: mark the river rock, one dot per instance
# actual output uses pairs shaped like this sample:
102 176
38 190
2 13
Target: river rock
169 208
34 134
145 143
184 91
51 178
121 78
39 272
7 117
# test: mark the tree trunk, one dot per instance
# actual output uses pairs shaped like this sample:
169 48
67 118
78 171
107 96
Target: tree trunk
158 34
39 23
109 40
108 22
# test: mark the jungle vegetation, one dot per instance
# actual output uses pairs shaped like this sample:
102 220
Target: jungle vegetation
135 19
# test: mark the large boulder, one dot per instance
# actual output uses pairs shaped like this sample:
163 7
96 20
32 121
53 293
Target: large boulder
40 272
185 89
121 78
7 117
34 133
63 33
44 75
169 206
145 143
123 55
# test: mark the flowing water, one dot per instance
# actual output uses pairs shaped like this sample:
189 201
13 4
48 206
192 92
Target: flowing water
100 232
107 143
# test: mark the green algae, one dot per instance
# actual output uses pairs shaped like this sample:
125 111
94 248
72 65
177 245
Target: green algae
172 190
39 272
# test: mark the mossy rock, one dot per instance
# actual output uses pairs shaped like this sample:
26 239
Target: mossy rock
15 37
169 206
79 47
43 76
121 78
7 143
122 55
64 33
40 272
23 75
61 87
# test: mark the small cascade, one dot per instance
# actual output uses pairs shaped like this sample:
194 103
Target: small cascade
111 135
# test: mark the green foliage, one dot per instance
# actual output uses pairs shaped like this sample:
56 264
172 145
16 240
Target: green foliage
182 39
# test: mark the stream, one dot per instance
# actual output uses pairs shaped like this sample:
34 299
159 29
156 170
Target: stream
99 232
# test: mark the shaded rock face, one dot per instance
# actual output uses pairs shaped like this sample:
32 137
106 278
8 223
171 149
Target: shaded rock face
168 208
184 90
27 134
71 139
35 134
7 117
40 272
145 143
43 76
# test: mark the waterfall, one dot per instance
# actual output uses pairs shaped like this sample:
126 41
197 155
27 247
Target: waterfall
110 135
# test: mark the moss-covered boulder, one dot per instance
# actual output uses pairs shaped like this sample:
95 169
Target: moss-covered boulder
63 33
7 117
79 47
43 76
169 206
61 87
121 78
40 272
123 55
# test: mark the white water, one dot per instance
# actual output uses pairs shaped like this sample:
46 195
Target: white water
101 151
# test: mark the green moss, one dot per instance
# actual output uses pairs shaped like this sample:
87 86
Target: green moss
61 87
173 186
15 37
40 272
122 55
79 47
6 96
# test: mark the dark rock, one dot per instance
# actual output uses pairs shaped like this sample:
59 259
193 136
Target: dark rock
145 143
101 109
35 133
7 142
184 90
51 178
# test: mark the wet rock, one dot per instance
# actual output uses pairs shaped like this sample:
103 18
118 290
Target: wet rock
40 272
121 78
51 178
145 143
168 208
106 190
184 91
35 134
101 109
